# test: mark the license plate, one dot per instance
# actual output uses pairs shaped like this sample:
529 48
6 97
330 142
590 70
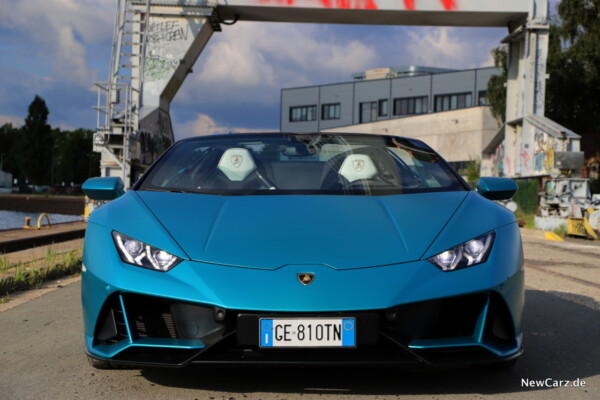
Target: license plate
317 332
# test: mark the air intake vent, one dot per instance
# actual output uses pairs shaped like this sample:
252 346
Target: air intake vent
112 329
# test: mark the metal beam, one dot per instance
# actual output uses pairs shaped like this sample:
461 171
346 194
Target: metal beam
492 13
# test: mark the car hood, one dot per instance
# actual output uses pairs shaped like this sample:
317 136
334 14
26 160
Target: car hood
271 231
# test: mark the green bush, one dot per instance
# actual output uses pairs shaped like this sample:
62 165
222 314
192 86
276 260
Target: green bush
527 195
561 231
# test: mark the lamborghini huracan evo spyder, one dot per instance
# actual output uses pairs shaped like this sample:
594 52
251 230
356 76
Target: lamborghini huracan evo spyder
302 248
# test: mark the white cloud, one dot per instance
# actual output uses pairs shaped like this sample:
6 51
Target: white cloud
92 19
61 30
11 119
205 125
451 47
253 61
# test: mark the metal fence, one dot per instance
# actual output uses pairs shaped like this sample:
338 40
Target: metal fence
56 205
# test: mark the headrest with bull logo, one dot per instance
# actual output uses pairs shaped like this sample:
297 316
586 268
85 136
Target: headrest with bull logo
358 166
237 164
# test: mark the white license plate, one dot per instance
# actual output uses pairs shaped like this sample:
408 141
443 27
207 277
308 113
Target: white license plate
316 332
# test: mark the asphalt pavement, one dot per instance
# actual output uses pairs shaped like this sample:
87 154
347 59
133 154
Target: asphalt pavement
41 349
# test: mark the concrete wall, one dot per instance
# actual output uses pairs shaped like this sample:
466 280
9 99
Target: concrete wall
529 152
458 135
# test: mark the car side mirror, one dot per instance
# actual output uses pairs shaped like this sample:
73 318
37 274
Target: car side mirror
107 188
496 188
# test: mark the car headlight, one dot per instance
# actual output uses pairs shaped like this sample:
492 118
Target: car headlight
138 253
467 254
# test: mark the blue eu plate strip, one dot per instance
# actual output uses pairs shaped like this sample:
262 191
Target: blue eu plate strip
266 333
348 332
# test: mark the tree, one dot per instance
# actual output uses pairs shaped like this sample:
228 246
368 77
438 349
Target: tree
73 159
574 66
8 141
471 172
496 89
45 155
35 144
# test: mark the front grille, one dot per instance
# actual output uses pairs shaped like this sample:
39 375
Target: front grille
155 317
151 316
144 322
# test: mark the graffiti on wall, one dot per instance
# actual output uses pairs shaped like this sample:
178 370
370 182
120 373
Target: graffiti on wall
498 161
543 152
524 158
163 37
448 5
166 31
158 67
346 4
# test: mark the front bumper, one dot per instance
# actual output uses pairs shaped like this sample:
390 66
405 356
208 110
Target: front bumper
203 313
463 330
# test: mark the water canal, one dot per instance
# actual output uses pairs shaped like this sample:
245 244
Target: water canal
16 219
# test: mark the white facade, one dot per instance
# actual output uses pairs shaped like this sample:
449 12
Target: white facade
458 135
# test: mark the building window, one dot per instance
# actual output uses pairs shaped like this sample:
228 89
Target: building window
383 108
453 101
482 99
330 111
303 113
410 105
368 112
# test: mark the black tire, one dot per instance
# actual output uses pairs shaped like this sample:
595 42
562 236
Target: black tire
106 365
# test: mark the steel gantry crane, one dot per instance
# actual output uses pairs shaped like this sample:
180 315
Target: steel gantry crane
157 42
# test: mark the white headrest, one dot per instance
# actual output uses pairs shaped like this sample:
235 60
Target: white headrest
237 164
358 166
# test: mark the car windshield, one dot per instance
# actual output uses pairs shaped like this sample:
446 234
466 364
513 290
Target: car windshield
257 164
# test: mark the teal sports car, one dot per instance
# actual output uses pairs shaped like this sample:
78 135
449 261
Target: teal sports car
320 248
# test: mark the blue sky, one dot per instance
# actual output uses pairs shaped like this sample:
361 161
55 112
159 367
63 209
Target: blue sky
58 48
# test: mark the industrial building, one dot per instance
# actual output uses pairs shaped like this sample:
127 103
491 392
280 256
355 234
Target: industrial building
445 108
